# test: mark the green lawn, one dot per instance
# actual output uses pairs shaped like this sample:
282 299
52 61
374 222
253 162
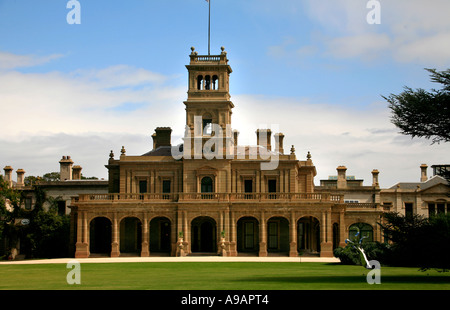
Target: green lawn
217 276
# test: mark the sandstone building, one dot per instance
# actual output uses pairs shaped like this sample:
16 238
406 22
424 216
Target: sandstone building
211 195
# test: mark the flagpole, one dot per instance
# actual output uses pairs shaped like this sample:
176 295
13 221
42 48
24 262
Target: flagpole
209 29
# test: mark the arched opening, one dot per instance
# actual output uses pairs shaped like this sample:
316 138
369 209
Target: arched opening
130 236
365 231
160 236
200 82
278 235
215 82
248 235
100 236
308 236
207 82
203 235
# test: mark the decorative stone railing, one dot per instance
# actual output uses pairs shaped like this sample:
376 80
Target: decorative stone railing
216 197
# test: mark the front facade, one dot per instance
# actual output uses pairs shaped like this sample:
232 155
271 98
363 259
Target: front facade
211 195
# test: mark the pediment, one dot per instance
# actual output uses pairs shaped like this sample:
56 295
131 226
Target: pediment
206 170
437 189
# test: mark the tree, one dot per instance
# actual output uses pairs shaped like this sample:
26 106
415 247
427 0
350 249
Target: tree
418 241
424 114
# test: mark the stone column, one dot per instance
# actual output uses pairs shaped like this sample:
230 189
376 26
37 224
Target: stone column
326 246
293 237
115 249
233 243
342 236
263 236
82 246
145 252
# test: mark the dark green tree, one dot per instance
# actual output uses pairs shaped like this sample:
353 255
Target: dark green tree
421 113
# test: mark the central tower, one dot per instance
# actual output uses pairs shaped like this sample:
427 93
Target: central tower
208 101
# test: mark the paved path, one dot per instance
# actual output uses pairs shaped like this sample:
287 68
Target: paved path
175 260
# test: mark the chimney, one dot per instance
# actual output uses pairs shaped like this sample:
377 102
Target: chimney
162 137
20 177
375 174
76 172
8 175
264 134
279 137
65 168
235 137
341 179
423 173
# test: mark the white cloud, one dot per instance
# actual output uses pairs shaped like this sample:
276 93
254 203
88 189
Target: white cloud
361 139
411 31
10 61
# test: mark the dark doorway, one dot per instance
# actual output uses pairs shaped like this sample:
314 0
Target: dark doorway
100 236
160 241
130 236
203 235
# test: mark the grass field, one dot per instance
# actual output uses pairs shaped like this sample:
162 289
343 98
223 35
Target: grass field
217 276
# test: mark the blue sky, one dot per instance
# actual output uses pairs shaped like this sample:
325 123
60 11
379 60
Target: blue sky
314 68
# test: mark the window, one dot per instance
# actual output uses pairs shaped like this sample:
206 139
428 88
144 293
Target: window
440 208
142 187
272 188
28 202
166 188
200 82
207 126
249 235
272 228
248 188
215 82
207 187
365 230
207 82
61 208
431 210
409 210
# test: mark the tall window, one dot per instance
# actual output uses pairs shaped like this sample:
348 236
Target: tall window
207 187
215 82
409 210
272 188
200 82
166 188
248 188
207 126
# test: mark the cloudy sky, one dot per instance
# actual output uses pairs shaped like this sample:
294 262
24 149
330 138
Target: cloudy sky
314 69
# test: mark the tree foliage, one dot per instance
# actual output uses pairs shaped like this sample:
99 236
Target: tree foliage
421 113
47 234
418 241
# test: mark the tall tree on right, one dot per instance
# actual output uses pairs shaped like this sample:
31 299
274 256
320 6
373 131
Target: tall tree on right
424 114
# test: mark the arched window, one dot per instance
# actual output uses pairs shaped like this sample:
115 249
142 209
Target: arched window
200 82
207 82
215 82
364 229
207 185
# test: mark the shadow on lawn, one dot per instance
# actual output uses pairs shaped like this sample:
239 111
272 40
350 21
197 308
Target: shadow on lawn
406 279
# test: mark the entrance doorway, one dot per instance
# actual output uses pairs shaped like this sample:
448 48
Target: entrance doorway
203 235
160 241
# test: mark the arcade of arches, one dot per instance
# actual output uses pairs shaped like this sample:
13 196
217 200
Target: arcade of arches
248 235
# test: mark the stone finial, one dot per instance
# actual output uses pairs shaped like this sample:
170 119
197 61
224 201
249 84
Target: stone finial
292 150
123 151
111 155
308 156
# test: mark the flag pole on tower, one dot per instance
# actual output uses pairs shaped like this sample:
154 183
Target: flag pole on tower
209 28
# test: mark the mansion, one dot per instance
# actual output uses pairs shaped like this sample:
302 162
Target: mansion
212 196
